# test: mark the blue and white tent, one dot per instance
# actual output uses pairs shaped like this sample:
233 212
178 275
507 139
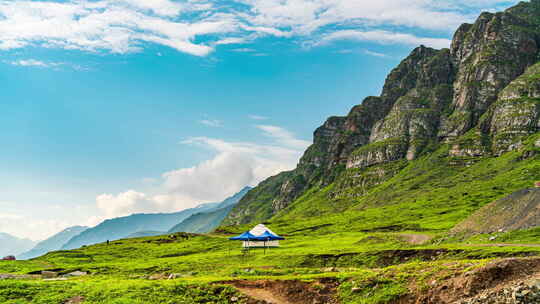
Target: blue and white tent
267 237
259 236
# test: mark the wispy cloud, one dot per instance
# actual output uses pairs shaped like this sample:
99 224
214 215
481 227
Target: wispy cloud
35 63
257 117
212 122
375 54
284 137
231 40
244 50
197 27
361 51
383 37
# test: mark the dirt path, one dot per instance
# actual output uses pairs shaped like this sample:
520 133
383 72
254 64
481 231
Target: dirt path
264 295
288 292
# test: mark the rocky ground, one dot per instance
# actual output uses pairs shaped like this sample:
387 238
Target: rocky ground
525 292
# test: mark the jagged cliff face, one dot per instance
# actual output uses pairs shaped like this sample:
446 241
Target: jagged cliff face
516 113
488 56
481 97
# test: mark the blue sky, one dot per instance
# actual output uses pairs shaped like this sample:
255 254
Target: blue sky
115 107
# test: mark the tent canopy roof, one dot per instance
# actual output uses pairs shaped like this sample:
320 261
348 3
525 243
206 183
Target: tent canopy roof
246 236
258 233
260 229
267 235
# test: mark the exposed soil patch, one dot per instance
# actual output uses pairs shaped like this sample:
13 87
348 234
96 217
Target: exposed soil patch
288 292
415 239
495 275
9 276
172 238
395 228
519 210
75 300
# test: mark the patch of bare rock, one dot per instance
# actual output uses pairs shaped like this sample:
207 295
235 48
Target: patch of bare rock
507 281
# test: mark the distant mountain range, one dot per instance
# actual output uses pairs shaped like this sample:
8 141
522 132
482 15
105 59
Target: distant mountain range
139 225
53 243
121 227
201 219
204 222
11 245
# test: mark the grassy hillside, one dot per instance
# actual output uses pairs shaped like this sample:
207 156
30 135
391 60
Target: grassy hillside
135 270
202 222
432 193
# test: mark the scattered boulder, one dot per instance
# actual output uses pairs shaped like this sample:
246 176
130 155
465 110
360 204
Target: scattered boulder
158 276
482 285
330 269
519 293
76 274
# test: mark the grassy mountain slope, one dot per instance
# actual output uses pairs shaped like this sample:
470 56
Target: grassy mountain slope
202 222
207 221
452 130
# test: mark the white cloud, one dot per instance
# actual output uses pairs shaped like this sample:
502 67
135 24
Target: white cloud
196 27
231 40
375 54
46 64
124 203
10 216
35 63
212 122
307 16
257 117
233 166
31 227
244 50
284 137
384 37
160 7
115 26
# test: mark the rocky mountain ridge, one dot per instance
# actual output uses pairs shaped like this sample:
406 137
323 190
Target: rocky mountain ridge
479 98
